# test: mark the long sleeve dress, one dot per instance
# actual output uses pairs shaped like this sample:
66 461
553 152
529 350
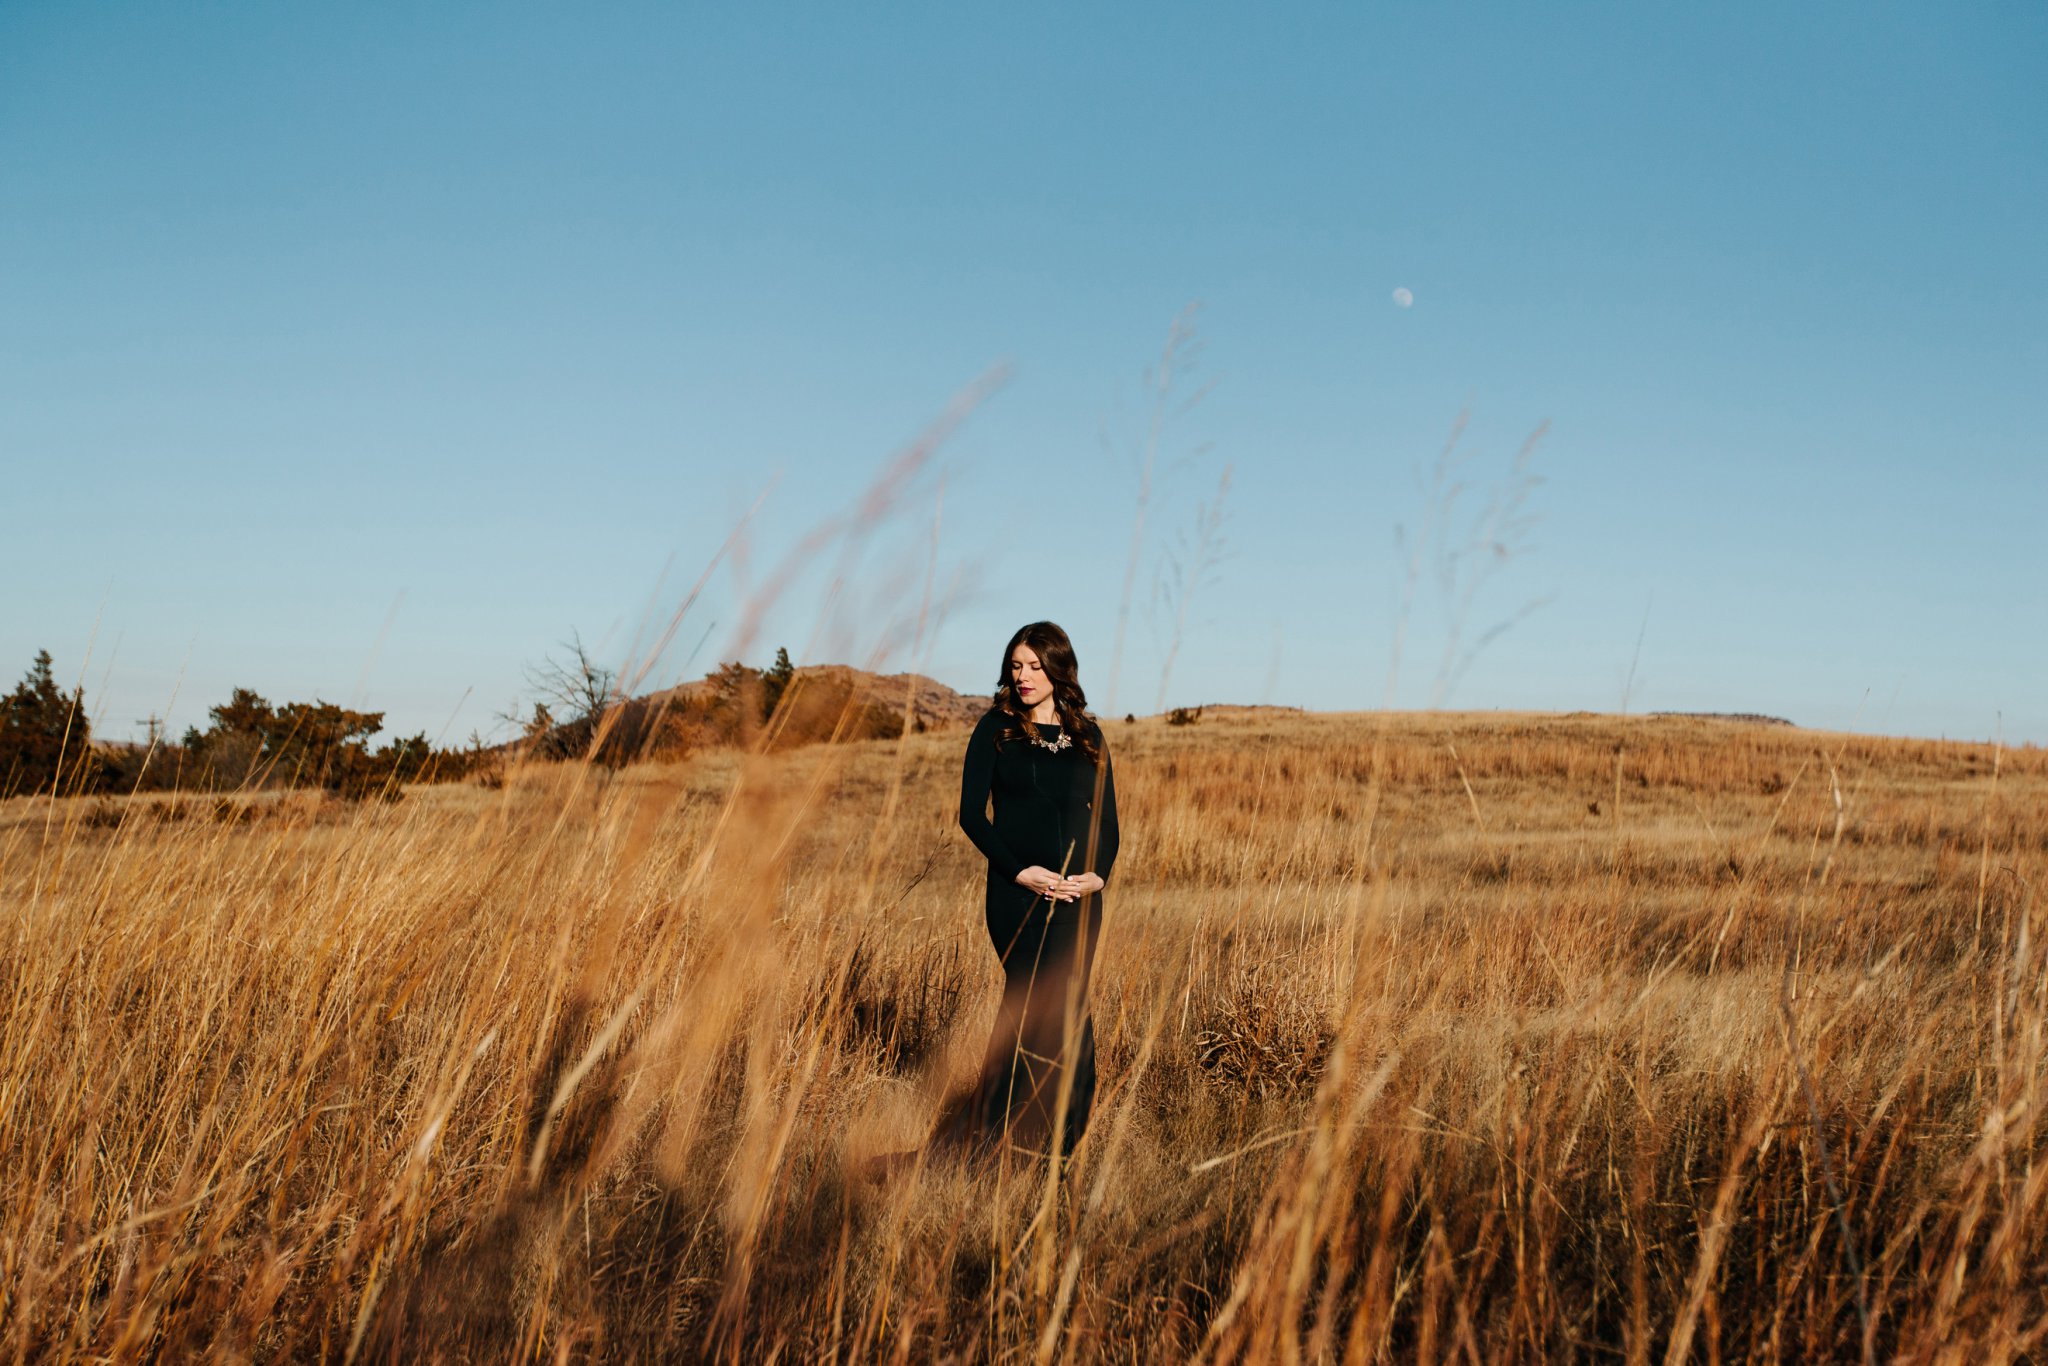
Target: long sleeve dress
1057 810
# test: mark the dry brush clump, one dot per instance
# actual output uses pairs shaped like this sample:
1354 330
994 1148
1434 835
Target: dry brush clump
1506 1038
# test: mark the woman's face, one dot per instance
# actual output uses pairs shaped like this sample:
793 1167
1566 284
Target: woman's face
1027 676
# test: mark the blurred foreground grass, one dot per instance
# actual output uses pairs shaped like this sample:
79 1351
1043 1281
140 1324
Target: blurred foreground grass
1423 1037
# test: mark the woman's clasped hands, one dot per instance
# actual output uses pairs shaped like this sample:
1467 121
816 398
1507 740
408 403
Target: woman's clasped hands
1047 883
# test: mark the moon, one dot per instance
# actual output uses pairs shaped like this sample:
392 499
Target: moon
1404 297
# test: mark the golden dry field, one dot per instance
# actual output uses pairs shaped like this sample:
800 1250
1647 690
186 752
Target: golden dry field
1423 1038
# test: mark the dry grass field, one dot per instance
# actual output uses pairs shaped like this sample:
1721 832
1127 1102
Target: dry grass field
1424 1038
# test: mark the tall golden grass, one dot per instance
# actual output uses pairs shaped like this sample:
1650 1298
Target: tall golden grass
1423 1038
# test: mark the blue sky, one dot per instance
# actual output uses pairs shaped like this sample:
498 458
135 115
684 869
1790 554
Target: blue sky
369 351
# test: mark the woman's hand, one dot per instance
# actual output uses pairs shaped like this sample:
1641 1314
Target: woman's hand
1047 883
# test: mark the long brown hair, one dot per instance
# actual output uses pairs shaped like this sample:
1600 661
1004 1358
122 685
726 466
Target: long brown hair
1056 655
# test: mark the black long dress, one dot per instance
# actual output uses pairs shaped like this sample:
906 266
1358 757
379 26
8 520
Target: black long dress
1050 810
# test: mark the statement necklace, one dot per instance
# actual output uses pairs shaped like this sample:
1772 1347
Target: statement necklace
1054 745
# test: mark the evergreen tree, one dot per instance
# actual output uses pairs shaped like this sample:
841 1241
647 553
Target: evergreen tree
43 734
775 681
244 713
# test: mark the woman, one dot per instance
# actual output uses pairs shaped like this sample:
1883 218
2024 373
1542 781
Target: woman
1040 759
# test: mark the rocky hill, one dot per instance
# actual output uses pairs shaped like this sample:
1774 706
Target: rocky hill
933 705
